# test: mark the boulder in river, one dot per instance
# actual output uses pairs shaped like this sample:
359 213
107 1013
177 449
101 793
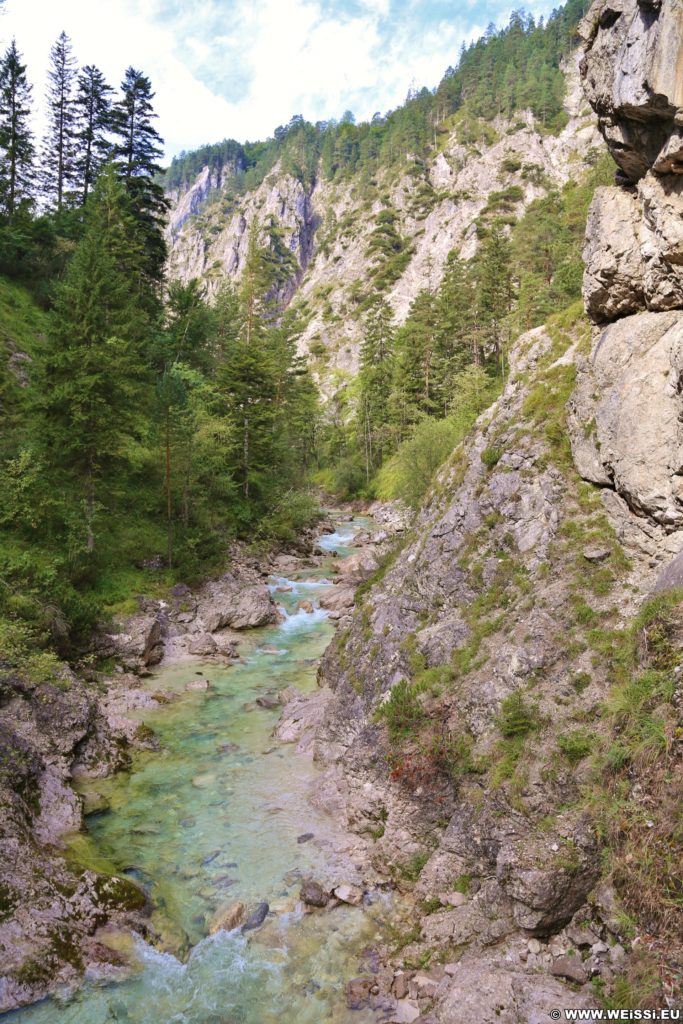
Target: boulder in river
268 701
358 992
198 684
229 603
313 894
256 918
348 893
202 645
229 917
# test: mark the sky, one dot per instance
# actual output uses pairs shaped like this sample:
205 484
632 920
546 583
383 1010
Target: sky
238 68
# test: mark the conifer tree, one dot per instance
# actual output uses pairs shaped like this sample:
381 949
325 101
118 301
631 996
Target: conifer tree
16 140
495 290
93 108
137 149
59 146
91 371
374 385
248 387
455 335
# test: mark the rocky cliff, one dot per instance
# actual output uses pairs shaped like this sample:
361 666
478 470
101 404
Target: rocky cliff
53 728
324 231
506 723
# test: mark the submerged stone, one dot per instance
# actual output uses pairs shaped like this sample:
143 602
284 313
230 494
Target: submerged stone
256 918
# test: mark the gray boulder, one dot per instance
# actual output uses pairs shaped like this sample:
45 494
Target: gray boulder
202 645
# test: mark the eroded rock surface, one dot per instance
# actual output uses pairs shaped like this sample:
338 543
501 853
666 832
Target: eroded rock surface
50 911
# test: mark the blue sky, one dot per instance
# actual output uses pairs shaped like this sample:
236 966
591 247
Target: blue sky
238 68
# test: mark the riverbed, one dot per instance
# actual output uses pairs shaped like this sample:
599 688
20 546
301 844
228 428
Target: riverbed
222 813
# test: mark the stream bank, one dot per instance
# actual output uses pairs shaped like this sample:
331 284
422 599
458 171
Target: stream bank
214 813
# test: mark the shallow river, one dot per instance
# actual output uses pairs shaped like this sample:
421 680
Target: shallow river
212 818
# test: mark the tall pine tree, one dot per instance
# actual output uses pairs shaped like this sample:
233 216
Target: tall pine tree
16 140
91 372
59 146
93 108
137 149
374 385
495 292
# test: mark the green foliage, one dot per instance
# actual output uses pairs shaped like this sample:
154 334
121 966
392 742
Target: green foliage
517 716
25 651
576 745
491 457
547 245
410 471
413 868
403 711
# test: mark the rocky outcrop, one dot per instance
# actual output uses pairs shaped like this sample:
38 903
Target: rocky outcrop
632 72
625 414
140 642
51 910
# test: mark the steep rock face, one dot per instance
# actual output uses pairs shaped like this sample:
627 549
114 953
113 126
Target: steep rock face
478 645
633 77
327 228
625 414
210 242
479 611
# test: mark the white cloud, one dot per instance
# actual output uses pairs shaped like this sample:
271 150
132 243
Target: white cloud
238 68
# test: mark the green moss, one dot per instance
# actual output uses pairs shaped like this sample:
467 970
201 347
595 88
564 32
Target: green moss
431 906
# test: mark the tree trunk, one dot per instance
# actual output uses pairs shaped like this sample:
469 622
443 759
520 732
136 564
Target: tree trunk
90 511
246 457
169 523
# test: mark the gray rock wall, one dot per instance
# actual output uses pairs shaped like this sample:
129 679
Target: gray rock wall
625 415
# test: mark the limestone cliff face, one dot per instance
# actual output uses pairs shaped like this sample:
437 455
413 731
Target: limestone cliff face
491 621
327 227
630 387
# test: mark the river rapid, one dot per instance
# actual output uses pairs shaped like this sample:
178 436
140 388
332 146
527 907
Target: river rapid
218 815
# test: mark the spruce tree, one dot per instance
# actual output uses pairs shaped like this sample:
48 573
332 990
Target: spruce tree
374 385
93 108
16 140
137 149
248 386
495 291
455 335
58 178
91 372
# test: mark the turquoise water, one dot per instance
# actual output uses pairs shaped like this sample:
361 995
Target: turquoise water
214 817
